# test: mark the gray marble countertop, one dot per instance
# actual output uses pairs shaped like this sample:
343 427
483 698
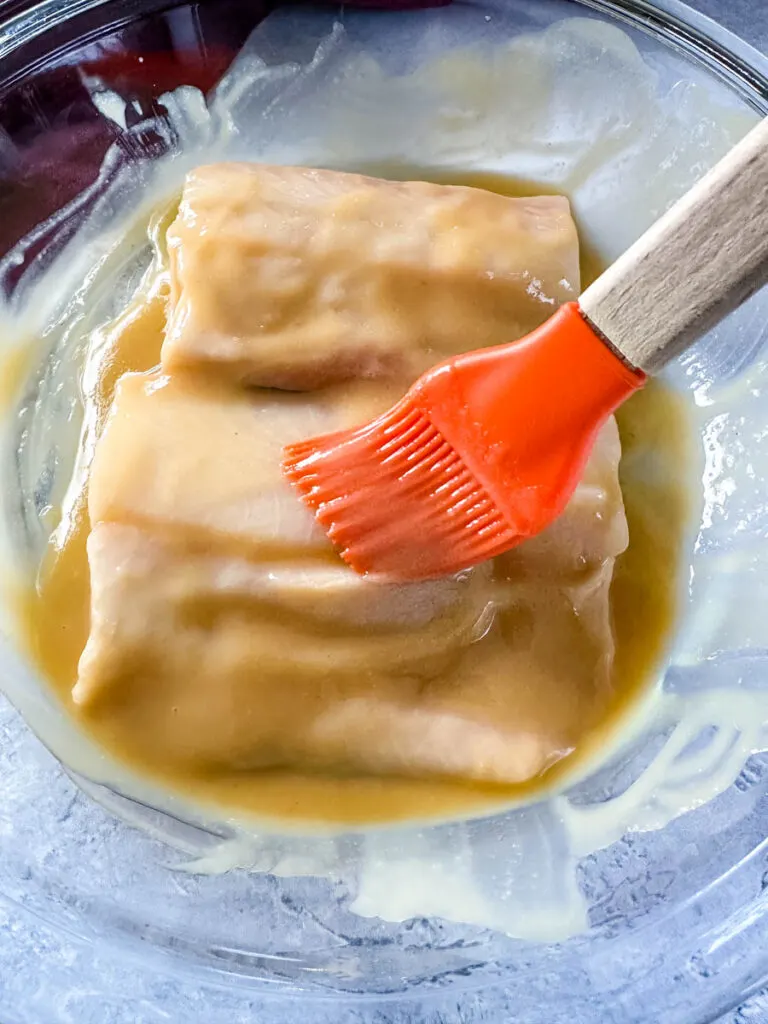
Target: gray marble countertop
749 19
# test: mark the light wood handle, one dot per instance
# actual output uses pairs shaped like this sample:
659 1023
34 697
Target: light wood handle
700 260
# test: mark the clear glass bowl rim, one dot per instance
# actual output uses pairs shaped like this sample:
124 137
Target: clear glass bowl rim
673 22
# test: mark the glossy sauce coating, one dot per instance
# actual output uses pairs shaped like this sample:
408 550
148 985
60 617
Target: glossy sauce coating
654 436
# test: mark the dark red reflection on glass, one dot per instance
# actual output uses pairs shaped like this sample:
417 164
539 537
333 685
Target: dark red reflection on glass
53 137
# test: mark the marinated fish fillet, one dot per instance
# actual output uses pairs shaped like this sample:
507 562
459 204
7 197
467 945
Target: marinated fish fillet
179 455
225 631
193 654
295 278
185 455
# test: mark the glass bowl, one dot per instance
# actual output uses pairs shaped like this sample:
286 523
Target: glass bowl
638 894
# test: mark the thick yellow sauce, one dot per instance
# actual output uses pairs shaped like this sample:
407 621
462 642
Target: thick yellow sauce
656 448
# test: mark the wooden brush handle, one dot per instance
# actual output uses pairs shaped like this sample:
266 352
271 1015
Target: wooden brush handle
698 262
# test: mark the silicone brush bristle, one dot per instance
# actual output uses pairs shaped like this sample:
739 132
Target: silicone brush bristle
396 498
483 452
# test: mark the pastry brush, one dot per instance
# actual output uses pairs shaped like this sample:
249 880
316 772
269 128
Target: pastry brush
486 448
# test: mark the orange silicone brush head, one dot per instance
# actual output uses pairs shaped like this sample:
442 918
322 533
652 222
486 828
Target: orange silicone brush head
483 452
410 507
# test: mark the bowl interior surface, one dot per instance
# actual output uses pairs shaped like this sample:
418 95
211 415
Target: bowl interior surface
579 913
